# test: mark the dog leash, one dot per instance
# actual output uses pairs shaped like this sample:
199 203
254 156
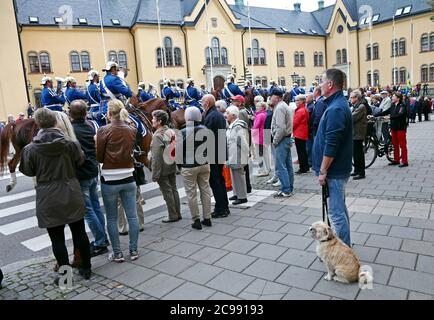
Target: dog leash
325 207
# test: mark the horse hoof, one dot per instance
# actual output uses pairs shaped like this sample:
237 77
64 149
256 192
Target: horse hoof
8 188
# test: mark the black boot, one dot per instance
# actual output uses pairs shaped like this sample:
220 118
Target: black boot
197 225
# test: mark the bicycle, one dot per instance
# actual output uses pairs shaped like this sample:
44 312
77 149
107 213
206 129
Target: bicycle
374 148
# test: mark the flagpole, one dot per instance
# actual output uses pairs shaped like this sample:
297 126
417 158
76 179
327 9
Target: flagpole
163 51
372 53
251 42
394 51
412 52
102 30
210 45
348 55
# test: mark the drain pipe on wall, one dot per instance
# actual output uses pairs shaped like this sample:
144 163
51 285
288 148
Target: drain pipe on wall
187 61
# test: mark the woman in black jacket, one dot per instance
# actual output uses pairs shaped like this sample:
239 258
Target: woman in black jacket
398 125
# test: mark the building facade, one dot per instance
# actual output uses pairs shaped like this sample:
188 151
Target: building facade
374 43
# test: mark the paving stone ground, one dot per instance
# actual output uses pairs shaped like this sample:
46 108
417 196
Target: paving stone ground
264 252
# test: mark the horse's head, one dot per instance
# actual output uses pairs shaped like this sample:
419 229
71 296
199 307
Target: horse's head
134 101
249 98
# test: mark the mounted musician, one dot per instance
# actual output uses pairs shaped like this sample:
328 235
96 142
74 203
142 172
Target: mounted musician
49 98
94 96
143 94
273 86
296 91
169 94
72 93
231 89
192 95
248 87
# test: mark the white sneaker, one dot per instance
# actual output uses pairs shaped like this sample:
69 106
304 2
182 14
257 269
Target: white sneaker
281 194
277 184
262 174
274 179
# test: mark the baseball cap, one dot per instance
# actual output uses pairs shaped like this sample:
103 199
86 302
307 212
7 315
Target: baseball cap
238 98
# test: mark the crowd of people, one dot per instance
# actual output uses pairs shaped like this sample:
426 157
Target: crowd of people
327 126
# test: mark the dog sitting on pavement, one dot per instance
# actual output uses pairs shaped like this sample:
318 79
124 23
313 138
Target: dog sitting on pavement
341 262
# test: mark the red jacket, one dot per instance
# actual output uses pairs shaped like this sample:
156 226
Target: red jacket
300 124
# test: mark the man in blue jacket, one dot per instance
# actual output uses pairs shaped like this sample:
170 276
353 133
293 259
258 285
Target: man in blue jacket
333 149
72 93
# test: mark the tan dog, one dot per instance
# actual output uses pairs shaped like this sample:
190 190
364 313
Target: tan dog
340 260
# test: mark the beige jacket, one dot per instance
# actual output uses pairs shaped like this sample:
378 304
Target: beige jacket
281 123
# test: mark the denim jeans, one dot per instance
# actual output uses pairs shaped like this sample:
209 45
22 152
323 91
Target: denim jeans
284 170
94 216
338 212
127 193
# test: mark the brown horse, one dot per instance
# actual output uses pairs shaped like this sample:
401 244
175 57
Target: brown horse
22 134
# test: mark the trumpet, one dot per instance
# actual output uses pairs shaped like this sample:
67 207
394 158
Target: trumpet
60 82
152 90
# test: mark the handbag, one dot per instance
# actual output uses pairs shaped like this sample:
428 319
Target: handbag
139 173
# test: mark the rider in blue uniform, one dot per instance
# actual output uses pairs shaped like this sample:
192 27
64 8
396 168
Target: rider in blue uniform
94 95
72 93
144 96
170 94
231 89
192 95
296 91
249 86
273 86
49 98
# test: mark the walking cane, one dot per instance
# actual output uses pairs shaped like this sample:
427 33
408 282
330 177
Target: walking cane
325 208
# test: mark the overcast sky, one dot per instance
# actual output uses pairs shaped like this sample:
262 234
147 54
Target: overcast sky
306 5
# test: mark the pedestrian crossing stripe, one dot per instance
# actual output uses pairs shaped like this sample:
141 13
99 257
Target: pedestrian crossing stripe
43 241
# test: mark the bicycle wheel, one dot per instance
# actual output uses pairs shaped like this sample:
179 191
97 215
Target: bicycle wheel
388 150
371 151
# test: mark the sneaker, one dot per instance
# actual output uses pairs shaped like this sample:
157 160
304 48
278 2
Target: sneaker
262 174
207 222
281 194
123 233
274 179
134 255
277 184
197 225
239 201
233 198
119 257
97 250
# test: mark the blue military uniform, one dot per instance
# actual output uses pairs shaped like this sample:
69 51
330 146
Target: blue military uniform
272 88
255 91
169 95
295 92
94 99
51 100
144 96
231 90
192 97
73 94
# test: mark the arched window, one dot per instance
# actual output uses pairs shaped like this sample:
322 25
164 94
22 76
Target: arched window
376 78
159 58
280 59
424 73
215 43
207 56
315 59
262 59
112 56
296 59
424 42
431 41
258 81
344 56
85 61
282 82
320 60
264 82
338 57
402 50
75 62
249 56
255 46
403 75
178 57
368 53
376 51
44 59
369 82
168 51
225 56
34 62
395 75
122 56
302 61
431 72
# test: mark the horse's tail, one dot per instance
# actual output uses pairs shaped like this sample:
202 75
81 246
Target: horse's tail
5 138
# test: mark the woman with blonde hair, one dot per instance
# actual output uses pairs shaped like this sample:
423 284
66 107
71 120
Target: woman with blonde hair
114 149
65 125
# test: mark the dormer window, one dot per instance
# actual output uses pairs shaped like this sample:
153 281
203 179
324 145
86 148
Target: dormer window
34 19
116 22
407 10
302 30
82 20
284 29
313 31
398 12
368 19
58 20
375 18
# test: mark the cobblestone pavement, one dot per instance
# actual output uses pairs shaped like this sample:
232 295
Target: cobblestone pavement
264 252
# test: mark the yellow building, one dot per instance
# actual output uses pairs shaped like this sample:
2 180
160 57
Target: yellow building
207 40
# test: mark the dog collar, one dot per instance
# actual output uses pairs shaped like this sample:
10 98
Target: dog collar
325 240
